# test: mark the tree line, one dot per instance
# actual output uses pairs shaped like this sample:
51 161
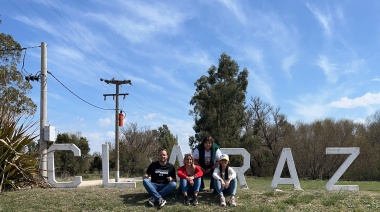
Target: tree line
219 108
138 147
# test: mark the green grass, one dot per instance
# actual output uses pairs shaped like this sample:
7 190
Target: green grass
259 197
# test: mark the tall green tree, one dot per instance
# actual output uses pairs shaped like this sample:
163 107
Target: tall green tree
219 103
166 138
96 163
65 162
13 87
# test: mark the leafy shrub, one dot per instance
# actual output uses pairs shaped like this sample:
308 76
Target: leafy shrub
17 167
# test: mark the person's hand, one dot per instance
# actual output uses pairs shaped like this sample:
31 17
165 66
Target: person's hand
223 183
191 182
170 179
145 176
227 184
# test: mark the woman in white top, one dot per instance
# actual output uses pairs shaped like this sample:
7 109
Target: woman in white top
206 155
225 181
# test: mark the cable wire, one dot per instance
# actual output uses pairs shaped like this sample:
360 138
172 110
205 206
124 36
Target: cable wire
52 36
82 37
66 37
76 94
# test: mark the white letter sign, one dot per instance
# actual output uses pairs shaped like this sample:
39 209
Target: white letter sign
246 162
51 167
354 152
106 171
286 156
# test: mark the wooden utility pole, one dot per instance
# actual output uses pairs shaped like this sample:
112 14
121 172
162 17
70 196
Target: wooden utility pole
117 83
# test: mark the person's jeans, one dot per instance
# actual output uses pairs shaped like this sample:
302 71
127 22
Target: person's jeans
185 187
208 175
159 190
231 190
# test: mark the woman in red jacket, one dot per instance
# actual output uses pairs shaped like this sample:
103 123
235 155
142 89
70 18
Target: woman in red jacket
190 179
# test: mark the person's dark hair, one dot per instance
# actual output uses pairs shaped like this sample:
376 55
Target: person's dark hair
225 173
162 149
207 138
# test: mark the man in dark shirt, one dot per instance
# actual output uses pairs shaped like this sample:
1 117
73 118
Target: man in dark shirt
163 179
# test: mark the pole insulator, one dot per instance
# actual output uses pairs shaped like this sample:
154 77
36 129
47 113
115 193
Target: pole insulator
121 118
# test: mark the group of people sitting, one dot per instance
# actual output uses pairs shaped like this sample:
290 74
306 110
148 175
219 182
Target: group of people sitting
206 161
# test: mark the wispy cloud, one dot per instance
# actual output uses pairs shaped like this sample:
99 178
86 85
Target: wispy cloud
333 71
288 62
98 138
366 100
150 116
40 24
236 9
140 22
354 66
255 56
310 112
324 19
147 84
312 106
270 27
259 78
171 78
56 96
199 58
262 84
106 122
329 69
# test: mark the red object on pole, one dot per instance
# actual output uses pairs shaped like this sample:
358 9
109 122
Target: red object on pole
121 118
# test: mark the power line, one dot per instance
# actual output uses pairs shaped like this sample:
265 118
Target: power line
76 94
19 49
65 36
51 35
82 37
74 44
144 96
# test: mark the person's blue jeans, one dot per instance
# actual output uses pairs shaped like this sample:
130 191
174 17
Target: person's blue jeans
208 175
231 190
185 187
159 190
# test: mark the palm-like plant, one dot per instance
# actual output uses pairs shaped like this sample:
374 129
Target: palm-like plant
17 167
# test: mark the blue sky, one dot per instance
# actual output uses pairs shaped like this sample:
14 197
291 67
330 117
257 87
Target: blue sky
313 59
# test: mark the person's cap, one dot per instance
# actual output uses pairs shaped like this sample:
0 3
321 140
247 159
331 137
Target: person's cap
224 157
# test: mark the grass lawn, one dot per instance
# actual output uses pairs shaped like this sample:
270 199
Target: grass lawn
259 197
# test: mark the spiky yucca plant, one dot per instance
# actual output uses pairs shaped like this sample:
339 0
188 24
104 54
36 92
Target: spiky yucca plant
17 167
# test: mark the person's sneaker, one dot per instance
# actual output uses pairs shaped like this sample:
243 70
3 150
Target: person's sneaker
222 201
232 201
195 201
161 202
186 200
151 201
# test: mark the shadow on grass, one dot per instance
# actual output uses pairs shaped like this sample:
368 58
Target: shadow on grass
174 199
